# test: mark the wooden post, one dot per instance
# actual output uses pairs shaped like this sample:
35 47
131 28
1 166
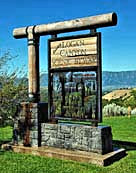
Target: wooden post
33 63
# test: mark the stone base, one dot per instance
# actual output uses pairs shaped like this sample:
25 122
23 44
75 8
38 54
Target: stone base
77 137
29 123
81 156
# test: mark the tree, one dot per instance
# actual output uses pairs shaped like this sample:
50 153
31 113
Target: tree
13 88
131 101
133 93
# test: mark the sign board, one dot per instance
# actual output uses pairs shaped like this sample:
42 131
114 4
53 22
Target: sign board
74 52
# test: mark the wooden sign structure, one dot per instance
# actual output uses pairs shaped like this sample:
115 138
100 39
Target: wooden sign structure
85 56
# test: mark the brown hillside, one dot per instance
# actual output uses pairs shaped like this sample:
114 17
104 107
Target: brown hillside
124 93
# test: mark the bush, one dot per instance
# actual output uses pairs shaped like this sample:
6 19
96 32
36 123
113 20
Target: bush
133 112
13 88
114 110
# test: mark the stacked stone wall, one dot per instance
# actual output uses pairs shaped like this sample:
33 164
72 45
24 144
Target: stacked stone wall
77 137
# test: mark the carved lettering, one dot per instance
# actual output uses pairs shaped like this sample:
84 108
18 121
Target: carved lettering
69 44
70 52
86 60
74 53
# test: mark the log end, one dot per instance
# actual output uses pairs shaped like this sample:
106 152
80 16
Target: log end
114 18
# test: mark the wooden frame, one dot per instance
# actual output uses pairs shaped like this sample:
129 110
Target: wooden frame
97 69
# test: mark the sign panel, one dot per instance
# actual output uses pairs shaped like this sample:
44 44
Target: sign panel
77 52
74 86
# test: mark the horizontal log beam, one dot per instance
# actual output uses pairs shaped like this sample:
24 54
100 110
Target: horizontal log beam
92 22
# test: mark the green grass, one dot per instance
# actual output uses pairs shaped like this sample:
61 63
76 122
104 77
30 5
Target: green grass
22 163
5 133
123 129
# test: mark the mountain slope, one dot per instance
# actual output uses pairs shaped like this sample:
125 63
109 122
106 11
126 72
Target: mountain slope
119 79
123 93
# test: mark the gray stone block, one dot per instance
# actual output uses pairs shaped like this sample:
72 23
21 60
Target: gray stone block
65 129
51 127
34 134
34 142
77 137
54 134
61 136
46 138
34 122
67 135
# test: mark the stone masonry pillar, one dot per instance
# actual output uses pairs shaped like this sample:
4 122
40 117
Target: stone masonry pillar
29 124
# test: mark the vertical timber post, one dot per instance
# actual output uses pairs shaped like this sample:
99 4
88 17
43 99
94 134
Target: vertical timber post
33 59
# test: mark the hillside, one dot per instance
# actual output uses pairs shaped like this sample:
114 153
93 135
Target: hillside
122 93
114 80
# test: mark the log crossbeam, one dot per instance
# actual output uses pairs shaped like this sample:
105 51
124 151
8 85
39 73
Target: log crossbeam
92 22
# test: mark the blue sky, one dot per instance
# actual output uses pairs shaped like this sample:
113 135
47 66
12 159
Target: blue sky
118 43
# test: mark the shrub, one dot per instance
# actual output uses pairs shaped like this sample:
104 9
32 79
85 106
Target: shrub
114 110
13 88
133 112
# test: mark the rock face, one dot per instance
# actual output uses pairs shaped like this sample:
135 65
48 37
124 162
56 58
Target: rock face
77 137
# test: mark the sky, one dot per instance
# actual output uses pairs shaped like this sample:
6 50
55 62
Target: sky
118 42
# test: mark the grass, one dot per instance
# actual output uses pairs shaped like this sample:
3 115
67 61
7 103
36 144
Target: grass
123 128
5 133
21 163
